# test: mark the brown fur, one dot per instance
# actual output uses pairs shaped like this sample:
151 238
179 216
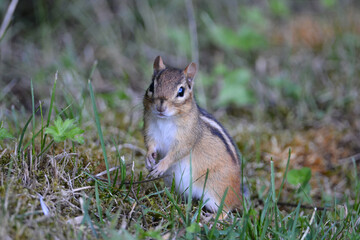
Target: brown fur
208 150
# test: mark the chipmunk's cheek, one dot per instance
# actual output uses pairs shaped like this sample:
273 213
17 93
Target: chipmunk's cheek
174 110
171 113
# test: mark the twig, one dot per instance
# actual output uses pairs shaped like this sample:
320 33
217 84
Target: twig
7 18
130 146
293 205
9 87
147 180
308 228
64 155
104 172
97 176
142 211
356 157
302 206
357 223
3 152
131 212
82 188
127 182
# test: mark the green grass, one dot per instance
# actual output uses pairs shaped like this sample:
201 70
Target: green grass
273 88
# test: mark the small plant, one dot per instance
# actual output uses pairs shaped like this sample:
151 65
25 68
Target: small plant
63 130
246 38
301 177
279 8
236 86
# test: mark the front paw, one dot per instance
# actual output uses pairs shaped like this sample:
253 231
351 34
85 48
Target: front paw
158 170
150 161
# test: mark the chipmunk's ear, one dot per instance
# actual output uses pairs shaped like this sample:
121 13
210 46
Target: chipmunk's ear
190 72
158 64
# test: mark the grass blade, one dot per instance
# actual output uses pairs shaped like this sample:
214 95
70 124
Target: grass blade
264 212
243 186
292 234
15 119
42 123
87 218
202 197
23 132
33 114
264 228
50 109
7 19
218 213
244 226
274 196
46 148
273 182
98 204
189 203
172 200
122 167
286 170
97 121
33 137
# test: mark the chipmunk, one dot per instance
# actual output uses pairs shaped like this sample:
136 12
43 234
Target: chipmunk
177 129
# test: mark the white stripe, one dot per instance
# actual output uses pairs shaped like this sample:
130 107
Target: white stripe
214 124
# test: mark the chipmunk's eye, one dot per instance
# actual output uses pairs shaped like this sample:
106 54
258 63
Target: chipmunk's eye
181 92
151 88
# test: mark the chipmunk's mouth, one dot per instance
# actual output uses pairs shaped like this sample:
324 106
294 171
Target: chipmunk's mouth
161 115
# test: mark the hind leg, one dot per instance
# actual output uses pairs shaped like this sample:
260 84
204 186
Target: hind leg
232 201
212 206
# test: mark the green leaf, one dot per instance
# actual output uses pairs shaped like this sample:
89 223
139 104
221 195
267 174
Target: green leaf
193 228
254 16
247 37
279 7
63 130
250 39
236 87
286 86
328 3
299 176
4 134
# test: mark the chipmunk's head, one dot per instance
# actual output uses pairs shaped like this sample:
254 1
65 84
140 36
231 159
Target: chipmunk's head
171 90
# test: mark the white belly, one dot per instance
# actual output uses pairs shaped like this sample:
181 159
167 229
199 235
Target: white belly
163 131
180 172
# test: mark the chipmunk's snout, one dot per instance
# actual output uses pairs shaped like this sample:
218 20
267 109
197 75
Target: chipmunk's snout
161 107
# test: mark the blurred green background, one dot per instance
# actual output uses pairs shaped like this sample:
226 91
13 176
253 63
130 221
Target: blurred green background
290 63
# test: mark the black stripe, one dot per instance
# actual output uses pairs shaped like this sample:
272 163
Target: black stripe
217 133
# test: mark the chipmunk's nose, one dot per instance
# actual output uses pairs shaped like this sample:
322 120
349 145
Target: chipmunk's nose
160 107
